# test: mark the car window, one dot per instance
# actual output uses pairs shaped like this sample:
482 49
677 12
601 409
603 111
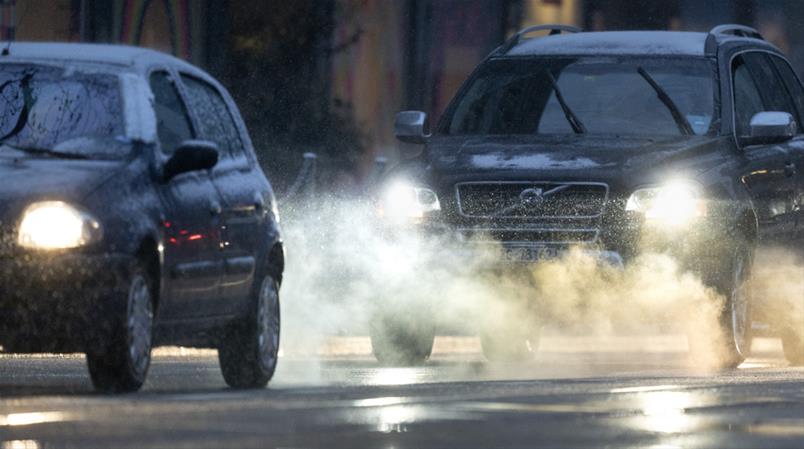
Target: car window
172 123
747 100
771 88
50 109
215 120
608 96
794 88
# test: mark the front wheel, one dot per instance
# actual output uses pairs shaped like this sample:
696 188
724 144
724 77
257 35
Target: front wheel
401 343
793 346
249 352
122 367
731 342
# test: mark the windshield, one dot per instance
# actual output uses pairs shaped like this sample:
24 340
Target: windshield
624 96
49 109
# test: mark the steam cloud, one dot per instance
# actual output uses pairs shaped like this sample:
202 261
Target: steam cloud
343 267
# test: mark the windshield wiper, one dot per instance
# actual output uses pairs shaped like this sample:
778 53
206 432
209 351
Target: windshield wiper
572 119
46 151
682 122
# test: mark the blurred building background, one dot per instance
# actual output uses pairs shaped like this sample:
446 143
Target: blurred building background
329 75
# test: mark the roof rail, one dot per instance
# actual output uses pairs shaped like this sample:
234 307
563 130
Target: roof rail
737 30
516 38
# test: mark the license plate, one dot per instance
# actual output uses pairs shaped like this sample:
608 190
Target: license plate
530 253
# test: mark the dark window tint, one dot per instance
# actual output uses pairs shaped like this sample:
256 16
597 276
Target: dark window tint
48 108
215 120
172 123
747 100
771 87
793 87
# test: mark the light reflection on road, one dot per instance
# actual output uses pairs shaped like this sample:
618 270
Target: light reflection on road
26 419
665 411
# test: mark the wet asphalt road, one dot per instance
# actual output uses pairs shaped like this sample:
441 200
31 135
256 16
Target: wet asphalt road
570 396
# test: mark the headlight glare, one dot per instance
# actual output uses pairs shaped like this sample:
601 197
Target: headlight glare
404 201
51 225
674 204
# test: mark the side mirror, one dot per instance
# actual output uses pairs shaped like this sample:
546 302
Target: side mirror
409 127
771 127
191 155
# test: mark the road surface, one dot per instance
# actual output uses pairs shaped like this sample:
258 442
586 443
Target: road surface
579 392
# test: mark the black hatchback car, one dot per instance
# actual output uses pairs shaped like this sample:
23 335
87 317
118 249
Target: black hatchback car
600 139
133 213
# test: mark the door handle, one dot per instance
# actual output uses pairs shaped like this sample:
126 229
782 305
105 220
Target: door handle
215 208
789 169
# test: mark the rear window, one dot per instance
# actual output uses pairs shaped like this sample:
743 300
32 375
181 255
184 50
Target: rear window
606 95
49 108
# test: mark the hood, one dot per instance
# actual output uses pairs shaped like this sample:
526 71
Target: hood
28 178
570 157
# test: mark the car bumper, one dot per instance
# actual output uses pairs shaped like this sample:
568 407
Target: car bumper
59 303
705 249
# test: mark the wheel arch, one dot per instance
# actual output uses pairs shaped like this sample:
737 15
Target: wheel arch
275 262
747 225
149 253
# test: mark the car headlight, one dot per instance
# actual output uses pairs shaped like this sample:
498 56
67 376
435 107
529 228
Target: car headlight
56 225
404 201
674 204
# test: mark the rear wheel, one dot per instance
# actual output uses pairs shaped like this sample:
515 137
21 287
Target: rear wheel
401 343
249 352
123 366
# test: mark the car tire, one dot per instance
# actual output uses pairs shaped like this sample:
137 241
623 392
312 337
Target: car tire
510 345
732 342
401 344
249 351
793 346
123 366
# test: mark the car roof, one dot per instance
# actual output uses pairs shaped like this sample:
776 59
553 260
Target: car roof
608 43
121 56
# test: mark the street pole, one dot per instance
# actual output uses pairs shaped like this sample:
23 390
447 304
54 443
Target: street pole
9 11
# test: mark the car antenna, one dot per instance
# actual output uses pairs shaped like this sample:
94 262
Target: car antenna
13 31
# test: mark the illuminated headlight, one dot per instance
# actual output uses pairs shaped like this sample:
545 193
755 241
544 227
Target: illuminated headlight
56 225
404 201
674 204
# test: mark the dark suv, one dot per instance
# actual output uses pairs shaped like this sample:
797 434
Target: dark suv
598 139
133 214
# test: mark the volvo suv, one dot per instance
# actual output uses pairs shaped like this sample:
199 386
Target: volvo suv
133 214
598 139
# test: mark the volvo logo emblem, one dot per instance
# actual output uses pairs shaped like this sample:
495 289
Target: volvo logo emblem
531 196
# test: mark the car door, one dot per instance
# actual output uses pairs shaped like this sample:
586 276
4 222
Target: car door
767 173
192 214
241 189
794 88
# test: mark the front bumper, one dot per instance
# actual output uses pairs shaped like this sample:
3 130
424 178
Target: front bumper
705 248
59 302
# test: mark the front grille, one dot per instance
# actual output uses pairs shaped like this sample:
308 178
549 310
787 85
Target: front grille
531 200
526 236
523 212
